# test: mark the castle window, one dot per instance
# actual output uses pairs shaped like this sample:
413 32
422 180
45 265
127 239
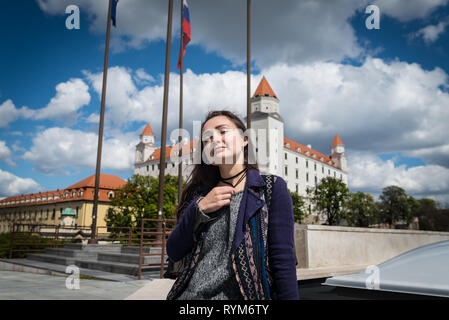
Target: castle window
286 173
314 166
110 195
307 177
148 168
307 163
296 173
322 169
296 159
298 150
152 167
285 156
296 188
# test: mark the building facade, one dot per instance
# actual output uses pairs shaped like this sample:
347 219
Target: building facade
70 207
300 165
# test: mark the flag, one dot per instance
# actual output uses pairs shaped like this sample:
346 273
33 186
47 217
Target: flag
185 31
114 11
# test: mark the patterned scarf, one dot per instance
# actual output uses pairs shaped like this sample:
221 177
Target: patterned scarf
249 261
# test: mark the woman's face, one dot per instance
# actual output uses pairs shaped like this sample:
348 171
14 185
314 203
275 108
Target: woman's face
223 141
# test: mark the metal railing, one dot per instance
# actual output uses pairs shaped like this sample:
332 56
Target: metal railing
161 234
122 235
54 236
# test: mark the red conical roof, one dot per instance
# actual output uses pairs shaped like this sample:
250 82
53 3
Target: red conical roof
147 131
264 89
337 140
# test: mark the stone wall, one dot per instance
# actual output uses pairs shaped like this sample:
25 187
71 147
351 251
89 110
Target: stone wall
319 246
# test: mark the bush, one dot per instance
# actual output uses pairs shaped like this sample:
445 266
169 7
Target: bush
28 242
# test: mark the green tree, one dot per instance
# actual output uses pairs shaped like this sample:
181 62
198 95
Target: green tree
138 200
299 207
362 210
329 198
394 205
413 209
431 217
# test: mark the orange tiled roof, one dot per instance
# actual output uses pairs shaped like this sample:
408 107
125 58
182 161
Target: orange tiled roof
83 190
186 149
107 181
264 89
293 145
337 140
147 131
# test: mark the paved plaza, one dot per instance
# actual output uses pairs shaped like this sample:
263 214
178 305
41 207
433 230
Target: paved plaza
30 286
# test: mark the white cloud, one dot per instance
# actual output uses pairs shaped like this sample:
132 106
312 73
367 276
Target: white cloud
70 97
11 185
93 118
57 150
219 26
9 113
431 33
126 103
5 153
369 173
141 77
378 106
406 10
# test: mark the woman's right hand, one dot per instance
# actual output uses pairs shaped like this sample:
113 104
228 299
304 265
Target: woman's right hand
216 198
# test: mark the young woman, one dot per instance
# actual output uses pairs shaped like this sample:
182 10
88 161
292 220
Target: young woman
232 243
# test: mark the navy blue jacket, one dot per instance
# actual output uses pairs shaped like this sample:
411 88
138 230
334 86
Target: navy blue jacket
280 231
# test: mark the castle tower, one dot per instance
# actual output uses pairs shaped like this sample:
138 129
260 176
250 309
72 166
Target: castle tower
269 129
146 146
338 153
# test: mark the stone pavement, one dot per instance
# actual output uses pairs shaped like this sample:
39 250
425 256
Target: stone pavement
30 286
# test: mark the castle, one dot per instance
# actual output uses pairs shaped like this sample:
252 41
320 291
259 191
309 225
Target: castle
299 165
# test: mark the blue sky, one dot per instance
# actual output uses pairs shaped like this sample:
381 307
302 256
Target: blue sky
385 91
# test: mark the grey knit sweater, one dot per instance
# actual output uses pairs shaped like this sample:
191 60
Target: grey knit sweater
214 278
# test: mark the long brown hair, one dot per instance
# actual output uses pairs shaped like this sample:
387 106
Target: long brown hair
208 175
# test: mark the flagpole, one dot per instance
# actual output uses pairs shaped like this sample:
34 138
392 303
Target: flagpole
164 115
181 80
248 64
93 235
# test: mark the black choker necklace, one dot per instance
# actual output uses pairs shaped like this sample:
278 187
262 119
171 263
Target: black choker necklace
238 182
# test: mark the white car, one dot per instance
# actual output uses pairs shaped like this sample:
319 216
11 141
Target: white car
423 271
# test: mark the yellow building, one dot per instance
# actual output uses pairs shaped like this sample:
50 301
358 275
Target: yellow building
71 206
